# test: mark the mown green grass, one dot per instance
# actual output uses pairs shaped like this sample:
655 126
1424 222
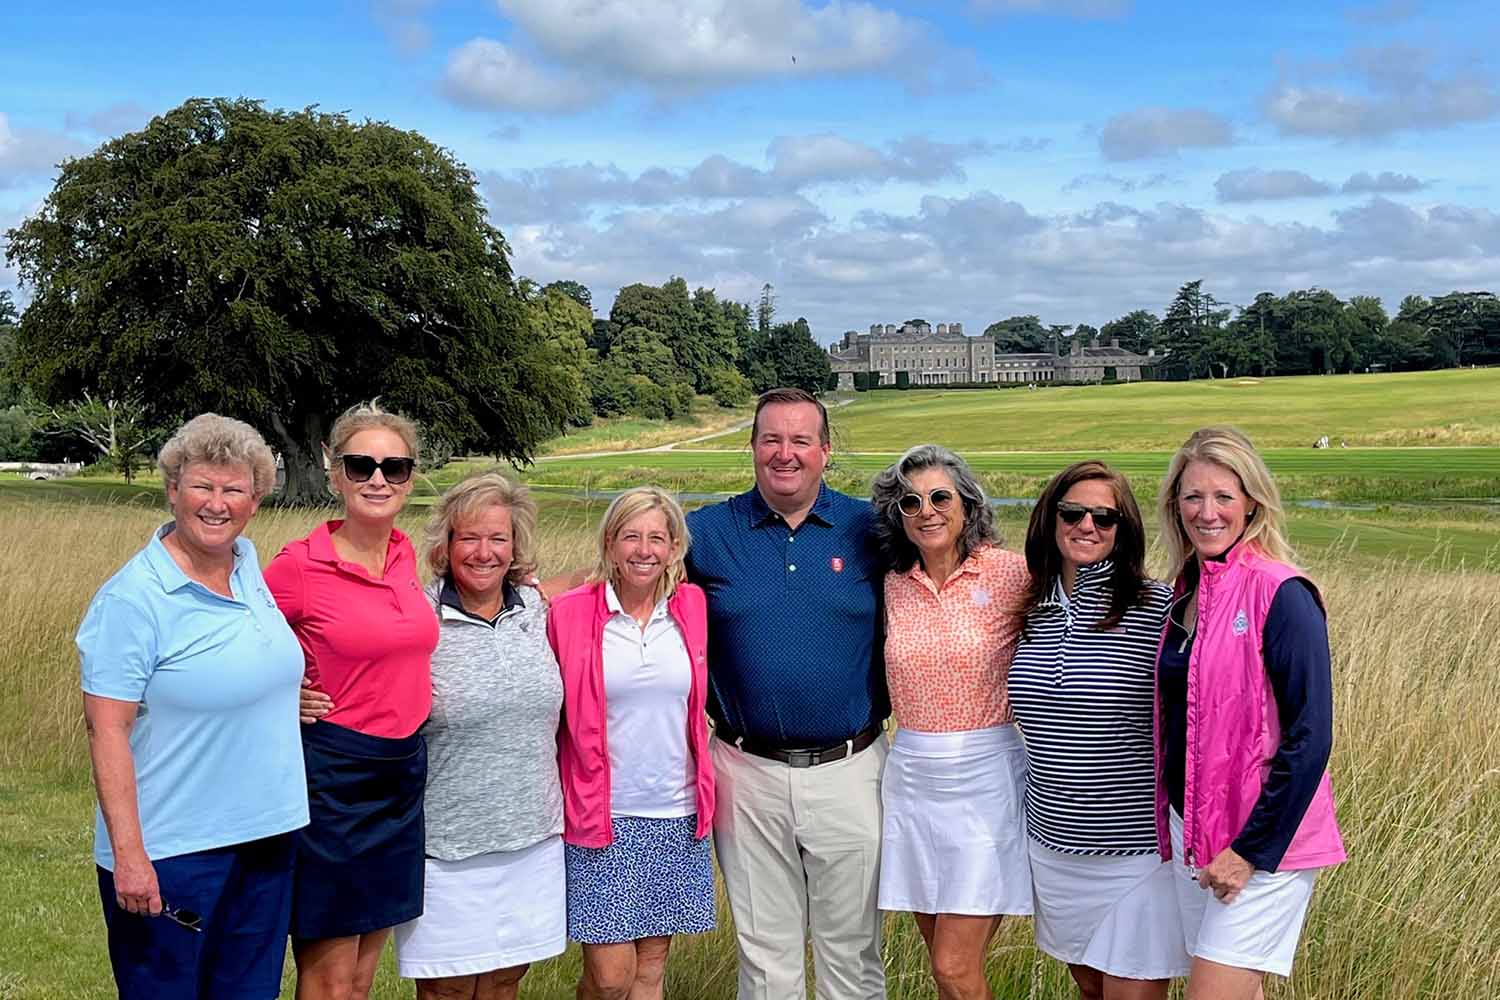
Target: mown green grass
1456 407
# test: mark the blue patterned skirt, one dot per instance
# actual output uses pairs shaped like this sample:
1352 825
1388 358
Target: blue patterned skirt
655 879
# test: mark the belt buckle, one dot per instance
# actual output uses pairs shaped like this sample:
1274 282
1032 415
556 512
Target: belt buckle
801 758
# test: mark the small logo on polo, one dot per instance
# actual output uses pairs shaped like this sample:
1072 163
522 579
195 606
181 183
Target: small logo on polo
837 563
1241 623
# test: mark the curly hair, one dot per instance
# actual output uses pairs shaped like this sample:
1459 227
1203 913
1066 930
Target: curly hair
215 440
895 482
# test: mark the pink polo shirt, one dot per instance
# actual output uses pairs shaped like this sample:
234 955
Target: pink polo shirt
368 643
948 648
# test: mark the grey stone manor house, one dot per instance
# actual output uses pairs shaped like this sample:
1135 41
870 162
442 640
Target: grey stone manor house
946 356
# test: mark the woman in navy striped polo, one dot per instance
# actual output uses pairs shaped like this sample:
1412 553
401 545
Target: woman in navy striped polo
1081 685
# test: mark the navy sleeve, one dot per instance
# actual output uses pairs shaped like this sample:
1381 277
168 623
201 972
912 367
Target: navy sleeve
1295 650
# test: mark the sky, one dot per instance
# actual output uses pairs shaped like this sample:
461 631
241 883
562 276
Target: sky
874 161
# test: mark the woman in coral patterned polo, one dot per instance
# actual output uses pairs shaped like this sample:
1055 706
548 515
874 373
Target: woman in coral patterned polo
954 845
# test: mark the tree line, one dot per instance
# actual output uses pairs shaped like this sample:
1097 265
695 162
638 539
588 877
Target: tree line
1309 332
279 266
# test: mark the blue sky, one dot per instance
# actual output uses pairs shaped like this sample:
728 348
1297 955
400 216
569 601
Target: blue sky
875 161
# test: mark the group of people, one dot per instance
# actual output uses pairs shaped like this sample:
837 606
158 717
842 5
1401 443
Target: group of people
491 771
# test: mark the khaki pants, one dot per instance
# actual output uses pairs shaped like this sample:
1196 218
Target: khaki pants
800 852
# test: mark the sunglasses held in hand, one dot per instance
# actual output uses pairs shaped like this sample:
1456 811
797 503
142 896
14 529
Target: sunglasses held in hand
1104 517
359 468
190 919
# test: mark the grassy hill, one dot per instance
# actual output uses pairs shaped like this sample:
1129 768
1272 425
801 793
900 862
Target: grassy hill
1403 409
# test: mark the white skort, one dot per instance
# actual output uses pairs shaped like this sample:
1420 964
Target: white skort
1115 914
1258 930
491 911
954 838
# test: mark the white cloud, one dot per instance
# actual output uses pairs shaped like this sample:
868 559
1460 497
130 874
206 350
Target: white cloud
1148 132
1380 91
117 119
484 73
696 43
405 21
1253 184
1126 185
27 154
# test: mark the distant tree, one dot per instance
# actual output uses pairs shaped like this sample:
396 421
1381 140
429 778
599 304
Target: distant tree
1018 335
1136 330
799 360
1086 334
10 387
119 430
668 311
575 291
1368 323
918 322
1188 328
729 388
278 266
1464 327
17 427
765 312
716 335
566 324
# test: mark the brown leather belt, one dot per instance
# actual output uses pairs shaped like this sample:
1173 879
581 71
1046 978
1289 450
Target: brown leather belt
802 758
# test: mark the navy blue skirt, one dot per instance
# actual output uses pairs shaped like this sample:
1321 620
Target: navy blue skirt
359 860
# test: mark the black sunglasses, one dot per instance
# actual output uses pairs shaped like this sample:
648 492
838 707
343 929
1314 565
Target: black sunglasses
359 468
940 499
190 919
1104 517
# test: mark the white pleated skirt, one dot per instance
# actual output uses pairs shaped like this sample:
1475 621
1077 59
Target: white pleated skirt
1115 914
491 911
954 837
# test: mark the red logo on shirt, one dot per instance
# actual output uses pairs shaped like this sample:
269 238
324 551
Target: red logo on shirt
837 564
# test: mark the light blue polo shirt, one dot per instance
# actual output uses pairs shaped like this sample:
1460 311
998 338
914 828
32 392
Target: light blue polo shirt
216 744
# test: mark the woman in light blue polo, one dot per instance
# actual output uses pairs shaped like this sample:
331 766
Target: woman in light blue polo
190 679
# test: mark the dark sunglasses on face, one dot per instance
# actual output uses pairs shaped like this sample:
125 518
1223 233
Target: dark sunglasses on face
185 918
1104 517
940 499
359 468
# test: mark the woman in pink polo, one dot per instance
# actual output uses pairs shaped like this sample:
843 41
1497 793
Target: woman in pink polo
1244 719
350 592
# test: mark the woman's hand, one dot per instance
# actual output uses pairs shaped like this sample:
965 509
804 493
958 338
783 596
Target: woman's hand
135 885
312 704
1226 875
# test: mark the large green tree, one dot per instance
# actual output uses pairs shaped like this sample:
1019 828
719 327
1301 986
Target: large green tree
1018 335
279 266
1136 330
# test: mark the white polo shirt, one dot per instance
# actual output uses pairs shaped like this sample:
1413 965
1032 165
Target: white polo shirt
647 675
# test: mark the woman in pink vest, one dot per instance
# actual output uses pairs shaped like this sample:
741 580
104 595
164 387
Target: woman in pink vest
638 784
1244 722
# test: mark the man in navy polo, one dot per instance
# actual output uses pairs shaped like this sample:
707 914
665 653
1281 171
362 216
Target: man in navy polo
797 694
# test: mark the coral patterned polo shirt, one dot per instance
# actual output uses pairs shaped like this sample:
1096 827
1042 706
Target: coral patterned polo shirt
948 649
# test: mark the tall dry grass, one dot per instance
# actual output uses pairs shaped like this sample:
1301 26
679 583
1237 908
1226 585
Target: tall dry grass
1416 761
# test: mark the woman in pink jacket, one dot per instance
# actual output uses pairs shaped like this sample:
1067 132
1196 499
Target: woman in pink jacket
1244 721
638 784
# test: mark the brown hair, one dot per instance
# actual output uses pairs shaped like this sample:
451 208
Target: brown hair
790 395
1128 580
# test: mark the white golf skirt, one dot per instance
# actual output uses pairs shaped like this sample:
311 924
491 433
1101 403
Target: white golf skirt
954 837
491 911
1115 914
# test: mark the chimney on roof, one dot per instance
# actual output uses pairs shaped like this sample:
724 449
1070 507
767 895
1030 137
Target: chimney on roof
942 329
1114 342
957 328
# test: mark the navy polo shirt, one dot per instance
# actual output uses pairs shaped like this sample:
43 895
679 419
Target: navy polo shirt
795 651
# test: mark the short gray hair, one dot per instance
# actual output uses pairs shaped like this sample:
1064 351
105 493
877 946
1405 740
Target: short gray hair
895 482
214 440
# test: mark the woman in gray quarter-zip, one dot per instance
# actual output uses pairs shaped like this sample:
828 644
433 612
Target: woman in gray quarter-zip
495 895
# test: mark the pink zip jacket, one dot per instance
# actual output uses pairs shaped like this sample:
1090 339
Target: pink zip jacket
575 628
1233 729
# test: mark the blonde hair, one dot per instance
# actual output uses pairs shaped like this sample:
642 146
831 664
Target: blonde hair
214 440
471 496
626 507
364 417
1229 448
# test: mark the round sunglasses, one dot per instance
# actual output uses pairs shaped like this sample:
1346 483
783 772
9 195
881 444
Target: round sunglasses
940 499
